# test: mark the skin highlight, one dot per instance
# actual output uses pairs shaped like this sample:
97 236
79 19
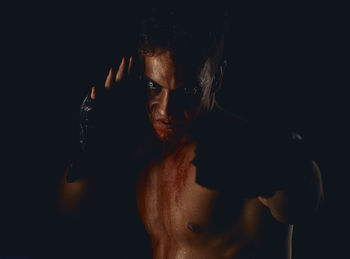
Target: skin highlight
167 106
184 219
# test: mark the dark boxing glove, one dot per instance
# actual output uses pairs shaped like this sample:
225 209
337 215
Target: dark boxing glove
247 159
90 123
110 127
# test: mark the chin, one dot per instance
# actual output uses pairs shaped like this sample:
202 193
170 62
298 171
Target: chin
164 136
168 135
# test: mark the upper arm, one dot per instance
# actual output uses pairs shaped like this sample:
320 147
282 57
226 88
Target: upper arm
298 201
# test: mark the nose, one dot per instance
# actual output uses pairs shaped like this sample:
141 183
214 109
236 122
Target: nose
163 103
169 104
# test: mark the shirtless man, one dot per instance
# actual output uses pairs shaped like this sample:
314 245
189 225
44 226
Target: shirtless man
208 185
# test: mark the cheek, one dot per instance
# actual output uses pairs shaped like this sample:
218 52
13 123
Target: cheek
151 105
193 109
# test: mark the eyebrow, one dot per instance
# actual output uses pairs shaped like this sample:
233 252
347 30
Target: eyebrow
157 84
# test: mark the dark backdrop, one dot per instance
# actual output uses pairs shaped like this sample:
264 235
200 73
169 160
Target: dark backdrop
286 63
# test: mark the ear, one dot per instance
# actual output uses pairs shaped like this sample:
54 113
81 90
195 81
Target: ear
219 76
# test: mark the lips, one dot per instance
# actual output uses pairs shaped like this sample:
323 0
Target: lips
169 124
166 122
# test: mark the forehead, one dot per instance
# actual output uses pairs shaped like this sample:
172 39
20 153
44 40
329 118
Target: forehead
162 68
172 72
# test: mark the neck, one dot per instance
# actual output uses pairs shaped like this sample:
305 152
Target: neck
169 146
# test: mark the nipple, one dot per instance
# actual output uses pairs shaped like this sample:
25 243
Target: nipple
195 227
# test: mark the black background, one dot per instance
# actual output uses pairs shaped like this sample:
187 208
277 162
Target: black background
286 63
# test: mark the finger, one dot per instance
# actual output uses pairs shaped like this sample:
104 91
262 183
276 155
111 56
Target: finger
131 60
109 80
93 93
121 70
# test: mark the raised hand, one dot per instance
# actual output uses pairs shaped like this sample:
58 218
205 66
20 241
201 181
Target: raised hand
115 76
107 120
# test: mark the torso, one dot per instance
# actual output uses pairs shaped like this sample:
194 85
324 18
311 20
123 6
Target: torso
187 220
183 218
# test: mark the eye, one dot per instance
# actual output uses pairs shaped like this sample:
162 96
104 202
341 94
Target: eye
195 90
191 91
152 86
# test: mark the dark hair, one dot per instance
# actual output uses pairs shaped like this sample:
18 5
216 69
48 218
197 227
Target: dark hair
192 33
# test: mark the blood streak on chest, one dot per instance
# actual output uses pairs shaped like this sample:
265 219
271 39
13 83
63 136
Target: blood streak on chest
173 177
173 185
162 189
176 170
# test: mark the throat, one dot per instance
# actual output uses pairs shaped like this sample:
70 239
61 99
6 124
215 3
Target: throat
169 147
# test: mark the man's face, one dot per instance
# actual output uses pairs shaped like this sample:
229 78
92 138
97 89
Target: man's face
174 95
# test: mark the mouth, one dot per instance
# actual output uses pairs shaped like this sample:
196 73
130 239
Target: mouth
169 124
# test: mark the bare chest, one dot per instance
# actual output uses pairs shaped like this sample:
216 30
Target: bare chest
171 203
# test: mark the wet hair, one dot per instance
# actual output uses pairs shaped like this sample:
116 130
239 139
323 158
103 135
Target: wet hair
192 35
